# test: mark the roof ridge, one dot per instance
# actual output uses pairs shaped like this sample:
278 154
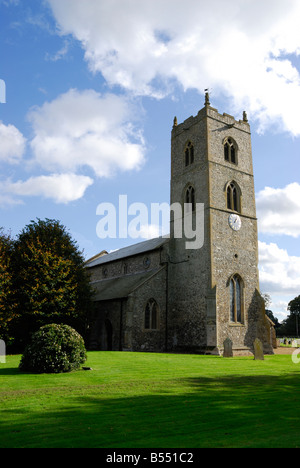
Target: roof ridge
129 251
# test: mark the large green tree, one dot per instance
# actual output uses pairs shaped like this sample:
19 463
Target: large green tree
7 310
50 282
292 323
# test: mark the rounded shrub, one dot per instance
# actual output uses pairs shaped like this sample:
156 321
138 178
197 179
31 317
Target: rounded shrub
54 349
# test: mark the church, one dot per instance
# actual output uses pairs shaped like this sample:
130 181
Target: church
160 295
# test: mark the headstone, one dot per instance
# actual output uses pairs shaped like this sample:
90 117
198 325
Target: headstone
227 348
258 350
2 352
278 342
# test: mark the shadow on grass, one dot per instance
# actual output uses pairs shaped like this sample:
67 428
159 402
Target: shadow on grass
262 411
10 371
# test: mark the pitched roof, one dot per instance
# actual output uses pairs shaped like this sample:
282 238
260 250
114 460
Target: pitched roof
121 287
130 251
101 254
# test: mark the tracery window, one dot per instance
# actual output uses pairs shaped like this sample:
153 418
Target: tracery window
230 150
233 197
236 299
189 154
190 198
151 315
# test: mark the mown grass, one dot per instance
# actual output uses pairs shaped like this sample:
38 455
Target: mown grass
153 401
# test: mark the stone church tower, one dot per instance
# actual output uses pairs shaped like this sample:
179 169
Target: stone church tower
170 294
214 290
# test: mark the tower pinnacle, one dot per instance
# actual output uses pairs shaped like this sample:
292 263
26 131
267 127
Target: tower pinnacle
207 102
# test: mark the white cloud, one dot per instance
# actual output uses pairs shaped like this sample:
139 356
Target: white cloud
78 129
279 308
12 145
279 276
240 48
62 188
279 210
150 231
84 128
60 54
279 272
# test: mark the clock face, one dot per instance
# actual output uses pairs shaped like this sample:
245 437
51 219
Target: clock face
235 222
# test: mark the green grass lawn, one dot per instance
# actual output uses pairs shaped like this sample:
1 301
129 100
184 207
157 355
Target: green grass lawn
153 401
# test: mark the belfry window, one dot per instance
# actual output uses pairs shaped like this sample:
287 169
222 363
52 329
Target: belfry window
230 151
151 315
233 197
190 198
236 300
189 154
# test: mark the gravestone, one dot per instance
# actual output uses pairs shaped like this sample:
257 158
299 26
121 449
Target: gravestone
258 350
227 348
2 352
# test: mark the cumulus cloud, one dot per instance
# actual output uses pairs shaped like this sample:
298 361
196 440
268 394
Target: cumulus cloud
151 231
279 276
280 309
84 128
279 271
242 48
62 188
12 145
279 210
78 130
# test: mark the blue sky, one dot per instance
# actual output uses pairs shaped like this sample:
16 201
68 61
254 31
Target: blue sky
91 92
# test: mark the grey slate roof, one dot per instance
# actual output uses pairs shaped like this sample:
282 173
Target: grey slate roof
121 287
136 249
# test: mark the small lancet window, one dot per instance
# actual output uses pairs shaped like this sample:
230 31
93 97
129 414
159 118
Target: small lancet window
236 299
190 198
189 154
151 315
230 151
233 197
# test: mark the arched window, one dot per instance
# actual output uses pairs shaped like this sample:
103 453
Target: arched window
233 197
151 315
189 154
190 198
236 299
230 150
